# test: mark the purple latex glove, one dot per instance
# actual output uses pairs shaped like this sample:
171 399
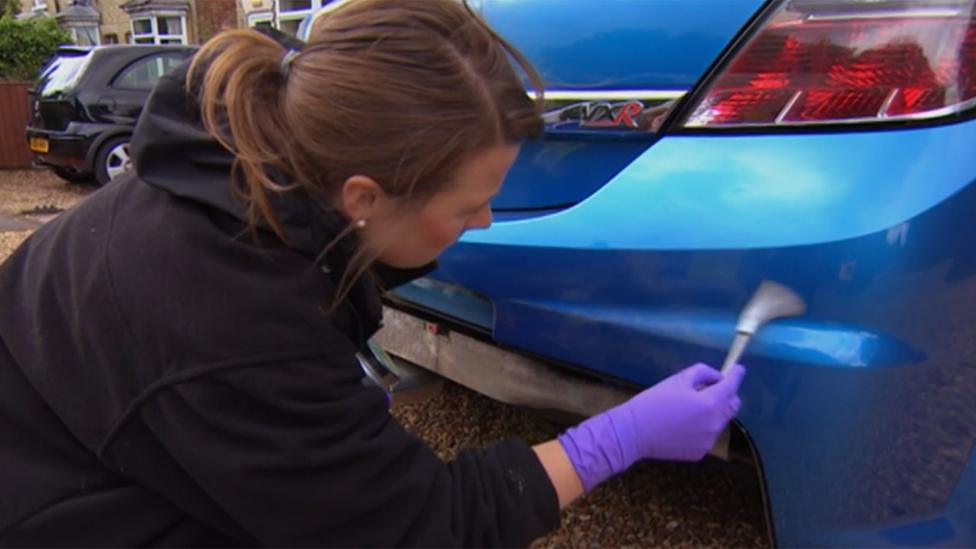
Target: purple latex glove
678 419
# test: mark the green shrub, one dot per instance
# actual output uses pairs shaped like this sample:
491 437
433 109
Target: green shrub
11 7
25 45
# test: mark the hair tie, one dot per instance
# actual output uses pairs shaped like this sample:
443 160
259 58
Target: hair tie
286 61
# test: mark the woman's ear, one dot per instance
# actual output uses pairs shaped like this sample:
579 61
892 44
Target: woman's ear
361 197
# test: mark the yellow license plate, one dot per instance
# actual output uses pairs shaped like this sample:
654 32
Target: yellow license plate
39 144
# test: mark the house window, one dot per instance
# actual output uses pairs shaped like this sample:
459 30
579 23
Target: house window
159 28
259 19
291 12
85 36
39 6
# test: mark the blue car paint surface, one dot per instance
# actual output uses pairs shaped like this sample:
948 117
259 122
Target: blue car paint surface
840 402
611 44
594 49
862 411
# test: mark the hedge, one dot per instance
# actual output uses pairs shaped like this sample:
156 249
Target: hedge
26 44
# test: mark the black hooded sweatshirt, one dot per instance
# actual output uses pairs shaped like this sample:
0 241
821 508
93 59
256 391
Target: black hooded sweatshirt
169 379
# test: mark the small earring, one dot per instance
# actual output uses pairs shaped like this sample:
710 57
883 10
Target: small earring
360 224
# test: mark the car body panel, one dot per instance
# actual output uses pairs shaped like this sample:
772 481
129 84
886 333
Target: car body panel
596 53
83 109
611 44
715 192
556 173
648 275
861 411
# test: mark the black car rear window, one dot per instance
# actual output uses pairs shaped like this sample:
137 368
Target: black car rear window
62 72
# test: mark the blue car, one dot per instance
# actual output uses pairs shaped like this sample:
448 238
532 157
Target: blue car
695 148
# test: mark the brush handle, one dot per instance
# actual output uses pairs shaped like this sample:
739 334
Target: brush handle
738 346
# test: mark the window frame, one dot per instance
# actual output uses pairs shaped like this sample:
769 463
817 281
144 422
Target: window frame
255 18
298 15
158 39
73 31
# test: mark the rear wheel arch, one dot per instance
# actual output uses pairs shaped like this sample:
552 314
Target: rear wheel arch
98 141
111 157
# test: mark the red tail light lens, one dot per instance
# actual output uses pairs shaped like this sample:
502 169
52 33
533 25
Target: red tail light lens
834 61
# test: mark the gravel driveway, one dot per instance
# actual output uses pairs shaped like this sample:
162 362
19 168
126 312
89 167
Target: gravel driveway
652 505
25 198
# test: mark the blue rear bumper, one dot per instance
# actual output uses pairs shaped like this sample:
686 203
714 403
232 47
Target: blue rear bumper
862 412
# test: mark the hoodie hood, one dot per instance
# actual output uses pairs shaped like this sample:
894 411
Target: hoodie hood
172 151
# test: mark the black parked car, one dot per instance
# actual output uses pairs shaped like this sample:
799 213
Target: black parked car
86 103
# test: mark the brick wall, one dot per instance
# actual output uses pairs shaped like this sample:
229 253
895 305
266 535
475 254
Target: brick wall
114 20
213 16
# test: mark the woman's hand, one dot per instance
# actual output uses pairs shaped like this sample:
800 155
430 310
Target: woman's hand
680 419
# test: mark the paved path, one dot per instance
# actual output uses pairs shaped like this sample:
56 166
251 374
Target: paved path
8 223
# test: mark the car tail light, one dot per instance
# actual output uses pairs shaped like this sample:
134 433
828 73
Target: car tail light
853 61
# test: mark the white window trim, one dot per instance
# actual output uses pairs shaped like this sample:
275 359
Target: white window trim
295 15
153 18
98 36
259 17
39 6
